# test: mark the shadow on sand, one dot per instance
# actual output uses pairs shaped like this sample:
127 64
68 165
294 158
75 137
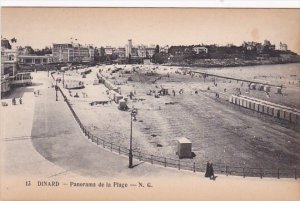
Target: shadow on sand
138 164
18 92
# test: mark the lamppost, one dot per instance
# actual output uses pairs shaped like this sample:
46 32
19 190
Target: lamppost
56 89
63 79
132 114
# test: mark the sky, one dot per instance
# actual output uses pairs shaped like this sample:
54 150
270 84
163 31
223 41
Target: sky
40 27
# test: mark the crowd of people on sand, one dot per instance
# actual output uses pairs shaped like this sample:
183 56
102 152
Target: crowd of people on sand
237 90
161 92
210 171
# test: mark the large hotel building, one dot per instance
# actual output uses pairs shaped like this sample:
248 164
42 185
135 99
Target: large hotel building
72 53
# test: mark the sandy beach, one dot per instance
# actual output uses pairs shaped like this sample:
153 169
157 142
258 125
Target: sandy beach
220 132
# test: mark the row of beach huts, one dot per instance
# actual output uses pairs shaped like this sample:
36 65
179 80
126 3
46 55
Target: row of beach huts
114 91
265 107
264 87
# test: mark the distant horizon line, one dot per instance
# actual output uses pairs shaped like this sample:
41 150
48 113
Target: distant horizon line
138 44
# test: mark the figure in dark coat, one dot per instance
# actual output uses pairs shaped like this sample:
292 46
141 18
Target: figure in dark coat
207 170
14 101
211 172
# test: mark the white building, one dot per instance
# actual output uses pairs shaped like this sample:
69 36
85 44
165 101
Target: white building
109 50
72 53
34 59
199 50
141 51
283 46
128 48
164 49
150 50
9 60
121 51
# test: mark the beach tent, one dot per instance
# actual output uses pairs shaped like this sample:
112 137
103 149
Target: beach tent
122 104
184 148
276 112
261 107
253 86
260 87
257 106
117 97
249 102
287 115
298 118
266 109
267 88
293 117
253 103
236 100
271 110
281 113
245 102
231 99
241 100
278 90
95 82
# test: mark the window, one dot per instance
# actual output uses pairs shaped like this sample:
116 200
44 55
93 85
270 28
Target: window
11 57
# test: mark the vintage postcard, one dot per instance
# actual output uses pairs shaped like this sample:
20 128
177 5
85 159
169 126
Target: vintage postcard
150 104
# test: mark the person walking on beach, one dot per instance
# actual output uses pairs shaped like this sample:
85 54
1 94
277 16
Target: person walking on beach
207 169
211 172
20 101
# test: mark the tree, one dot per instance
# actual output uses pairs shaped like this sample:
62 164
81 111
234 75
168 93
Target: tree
160 58
44 51
13 40
156 49
28 50
47 50
96 55
102 51
147 55
5 43
129 58
102 57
